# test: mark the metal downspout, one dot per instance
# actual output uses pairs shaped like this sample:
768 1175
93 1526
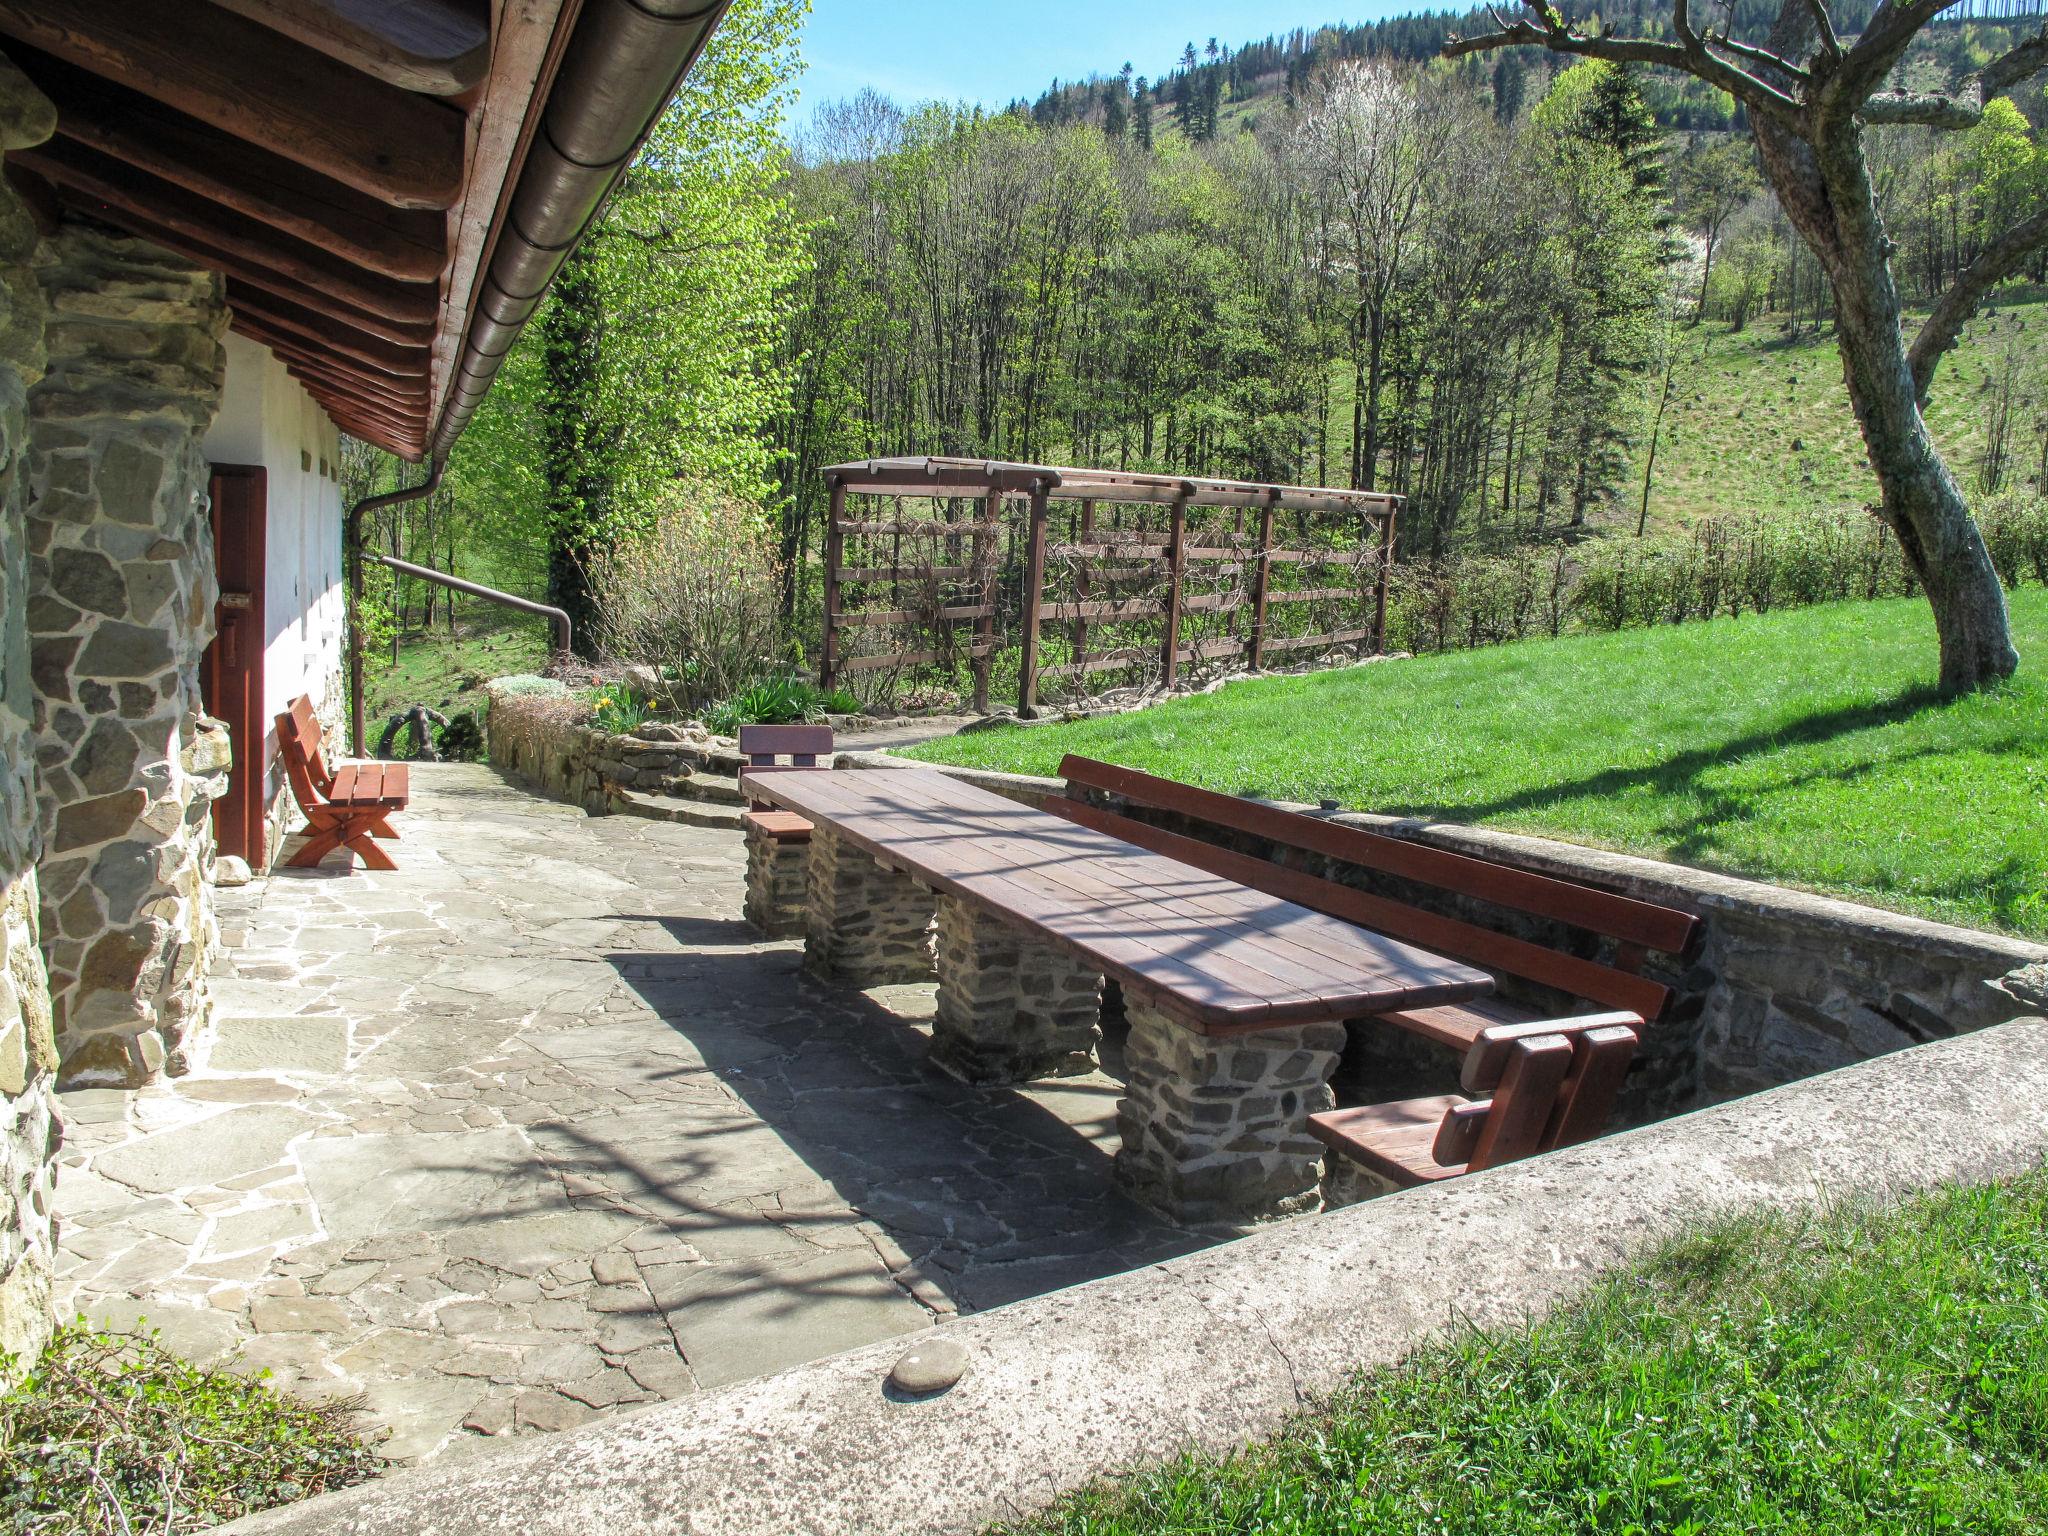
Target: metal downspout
352 545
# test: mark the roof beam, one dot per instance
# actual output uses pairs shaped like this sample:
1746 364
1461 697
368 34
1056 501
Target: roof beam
440 47
258 85
70 164
406 244
321 330
405 396
405 309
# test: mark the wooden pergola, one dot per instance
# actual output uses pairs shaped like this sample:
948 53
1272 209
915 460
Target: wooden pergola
992 482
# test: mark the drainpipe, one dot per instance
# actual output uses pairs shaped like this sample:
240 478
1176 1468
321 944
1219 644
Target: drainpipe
557 619
352 547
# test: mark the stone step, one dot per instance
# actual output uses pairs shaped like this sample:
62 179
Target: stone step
717 789
689 813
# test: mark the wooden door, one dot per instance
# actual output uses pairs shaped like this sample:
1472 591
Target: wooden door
231 674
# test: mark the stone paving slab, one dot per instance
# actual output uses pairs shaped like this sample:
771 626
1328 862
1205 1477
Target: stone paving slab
534 1130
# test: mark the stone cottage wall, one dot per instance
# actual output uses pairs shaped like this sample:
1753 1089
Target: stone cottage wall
122 571
28 1055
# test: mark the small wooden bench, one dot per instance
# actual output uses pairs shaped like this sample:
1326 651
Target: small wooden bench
345 807
1553 1084
1627 929
778 842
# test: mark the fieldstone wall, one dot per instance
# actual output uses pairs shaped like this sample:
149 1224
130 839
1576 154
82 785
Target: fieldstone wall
538 737
28 1053
121 573
778 875
866 926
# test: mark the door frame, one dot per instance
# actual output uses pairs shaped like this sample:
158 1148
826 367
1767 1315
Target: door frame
231 672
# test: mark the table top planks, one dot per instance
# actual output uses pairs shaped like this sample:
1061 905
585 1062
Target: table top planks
1226 957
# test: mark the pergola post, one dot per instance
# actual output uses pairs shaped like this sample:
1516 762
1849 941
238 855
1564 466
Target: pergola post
1261 580
1379 618
983 660
835 551
1081 590
1177 565
1034 601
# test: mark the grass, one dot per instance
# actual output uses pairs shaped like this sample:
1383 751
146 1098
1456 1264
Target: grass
1861 1371
447 671
1804 746
110 1434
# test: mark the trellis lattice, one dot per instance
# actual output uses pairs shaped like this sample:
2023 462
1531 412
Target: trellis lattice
1093 578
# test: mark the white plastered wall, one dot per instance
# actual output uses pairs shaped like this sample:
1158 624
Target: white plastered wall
266 418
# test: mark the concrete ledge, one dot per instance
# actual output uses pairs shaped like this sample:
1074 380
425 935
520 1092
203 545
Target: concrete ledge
1222 1346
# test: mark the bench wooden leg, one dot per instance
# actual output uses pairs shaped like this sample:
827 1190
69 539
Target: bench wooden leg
321 840
863 924
1215 1129
372 856
1011 1007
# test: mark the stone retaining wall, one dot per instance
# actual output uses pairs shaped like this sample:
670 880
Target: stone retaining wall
538 737
1206 1352
121 570
28 1053
1783 983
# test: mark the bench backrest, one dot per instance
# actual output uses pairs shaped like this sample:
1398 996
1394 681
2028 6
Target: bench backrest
1553 1085
299 744
803 745
1636 928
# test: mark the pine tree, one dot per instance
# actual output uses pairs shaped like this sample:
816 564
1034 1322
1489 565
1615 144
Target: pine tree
1510 85
1141 114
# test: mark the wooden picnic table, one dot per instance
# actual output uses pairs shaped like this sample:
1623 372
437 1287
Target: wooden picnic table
1226 958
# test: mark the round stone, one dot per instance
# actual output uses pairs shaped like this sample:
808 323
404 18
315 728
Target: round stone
931 1367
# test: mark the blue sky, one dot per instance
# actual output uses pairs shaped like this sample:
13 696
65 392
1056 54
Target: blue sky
997 50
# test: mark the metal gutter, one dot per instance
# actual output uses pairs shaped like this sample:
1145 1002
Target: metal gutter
625 62
352 552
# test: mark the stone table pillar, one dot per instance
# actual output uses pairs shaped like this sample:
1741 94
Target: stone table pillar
865 925
1011 1007
778 872
1215 1128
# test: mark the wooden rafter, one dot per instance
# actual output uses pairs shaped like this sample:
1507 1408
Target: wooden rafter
407 244
168 206
257 84
374 352
439 47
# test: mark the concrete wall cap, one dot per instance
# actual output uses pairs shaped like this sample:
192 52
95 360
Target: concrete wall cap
1223 1345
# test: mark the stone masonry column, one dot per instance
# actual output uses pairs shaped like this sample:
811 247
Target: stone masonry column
865 925
28 1053
1215 1129
121 600
778 877
1011 1008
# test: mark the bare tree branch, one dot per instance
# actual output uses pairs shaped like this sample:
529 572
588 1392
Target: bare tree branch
2014 66
1692 56
1824 28
1890 32
1930 111
1996 262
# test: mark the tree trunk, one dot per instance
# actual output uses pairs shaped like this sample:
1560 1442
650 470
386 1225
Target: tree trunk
1825 189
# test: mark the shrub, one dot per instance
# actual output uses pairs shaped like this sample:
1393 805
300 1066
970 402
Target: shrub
617 709
778 701
697 596
110 1433
523 685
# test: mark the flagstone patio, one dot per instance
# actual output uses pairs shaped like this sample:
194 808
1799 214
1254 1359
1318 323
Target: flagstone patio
534 1129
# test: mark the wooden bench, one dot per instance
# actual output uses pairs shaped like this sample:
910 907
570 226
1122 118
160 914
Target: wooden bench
1553 1084
345 807
778 842
1626 929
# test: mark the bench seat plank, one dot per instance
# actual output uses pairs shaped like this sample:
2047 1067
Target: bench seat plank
1459 1025
1229 958
1395 1141
385 784
779 826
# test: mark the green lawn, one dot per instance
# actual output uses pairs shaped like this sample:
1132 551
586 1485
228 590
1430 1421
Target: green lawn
447 671
1804 746
1863 1372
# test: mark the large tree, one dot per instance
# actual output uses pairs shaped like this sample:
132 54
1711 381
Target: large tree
1810 95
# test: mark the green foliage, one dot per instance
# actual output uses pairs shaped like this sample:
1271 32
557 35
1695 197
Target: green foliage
779 701
1857 1371
111 1434
524 686
1802 745
615 708
461 740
